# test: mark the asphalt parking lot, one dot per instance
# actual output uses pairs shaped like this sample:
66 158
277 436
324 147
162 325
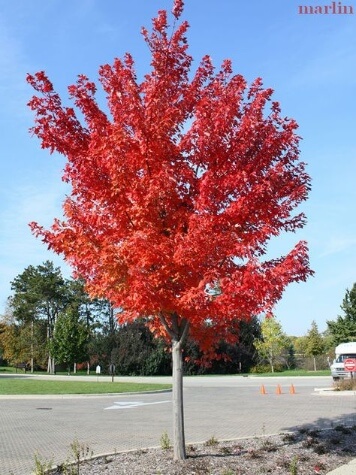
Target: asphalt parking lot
224 407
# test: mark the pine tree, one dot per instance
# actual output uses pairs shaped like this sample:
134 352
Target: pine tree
344 328
314 343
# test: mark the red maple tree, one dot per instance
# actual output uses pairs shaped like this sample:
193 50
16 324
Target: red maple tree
175 193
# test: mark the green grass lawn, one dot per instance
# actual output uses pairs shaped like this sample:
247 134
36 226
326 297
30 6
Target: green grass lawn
24 386
295 372
286 373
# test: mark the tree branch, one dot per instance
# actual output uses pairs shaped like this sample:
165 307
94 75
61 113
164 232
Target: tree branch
165 324
185 331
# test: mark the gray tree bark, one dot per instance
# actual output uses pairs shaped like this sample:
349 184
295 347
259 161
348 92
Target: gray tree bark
179 452
178 329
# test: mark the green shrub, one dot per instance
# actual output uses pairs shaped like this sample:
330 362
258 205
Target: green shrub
212 442
263 368
293 467
42 466
165 441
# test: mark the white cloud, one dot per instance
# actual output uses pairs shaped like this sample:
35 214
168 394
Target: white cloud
337 245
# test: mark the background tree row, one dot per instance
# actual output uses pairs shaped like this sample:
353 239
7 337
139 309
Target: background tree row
51 323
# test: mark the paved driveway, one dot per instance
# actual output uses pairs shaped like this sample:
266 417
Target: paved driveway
224 407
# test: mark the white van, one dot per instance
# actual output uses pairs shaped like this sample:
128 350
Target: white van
342 352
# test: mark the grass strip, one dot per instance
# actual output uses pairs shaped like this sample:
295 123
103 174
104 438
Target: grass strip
22 386
294 372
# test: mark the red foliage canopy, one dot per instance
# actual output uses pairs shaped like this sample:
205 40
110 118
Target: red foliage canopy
177 192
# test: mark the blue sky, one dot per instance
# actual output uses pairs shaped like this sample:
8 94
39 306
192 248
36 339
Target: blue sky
309 61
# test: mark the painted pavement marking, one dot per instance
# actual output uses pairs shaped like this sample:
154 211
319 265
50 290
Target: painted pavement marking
132 404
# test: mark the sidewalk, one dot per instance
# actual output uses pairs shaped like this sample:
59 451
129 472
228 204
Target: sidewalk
349 469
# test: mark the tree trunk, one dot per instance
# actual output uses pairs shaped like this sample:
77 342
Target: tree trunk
179 452
32 347
178 329
314 360
271 356
51 365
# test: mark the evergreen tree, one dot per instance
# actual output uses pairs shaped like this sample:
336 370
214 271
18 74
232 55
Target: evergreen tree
40 293
314 343
69 342
138 352
344 328
40 296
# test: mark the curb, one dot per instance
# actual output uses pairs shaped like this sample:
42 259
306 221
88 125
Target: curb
333 392
78 396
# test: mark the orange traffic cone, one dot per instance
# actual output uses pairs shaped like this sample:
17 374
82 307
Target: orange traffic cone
263 390
292 389
279 389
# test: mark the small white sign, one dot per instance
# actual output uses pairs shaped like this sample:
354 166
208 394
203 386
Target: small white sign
98 370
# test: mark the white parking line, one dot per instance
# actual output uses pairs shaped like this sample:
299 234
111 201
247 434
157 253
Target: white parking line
132 404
